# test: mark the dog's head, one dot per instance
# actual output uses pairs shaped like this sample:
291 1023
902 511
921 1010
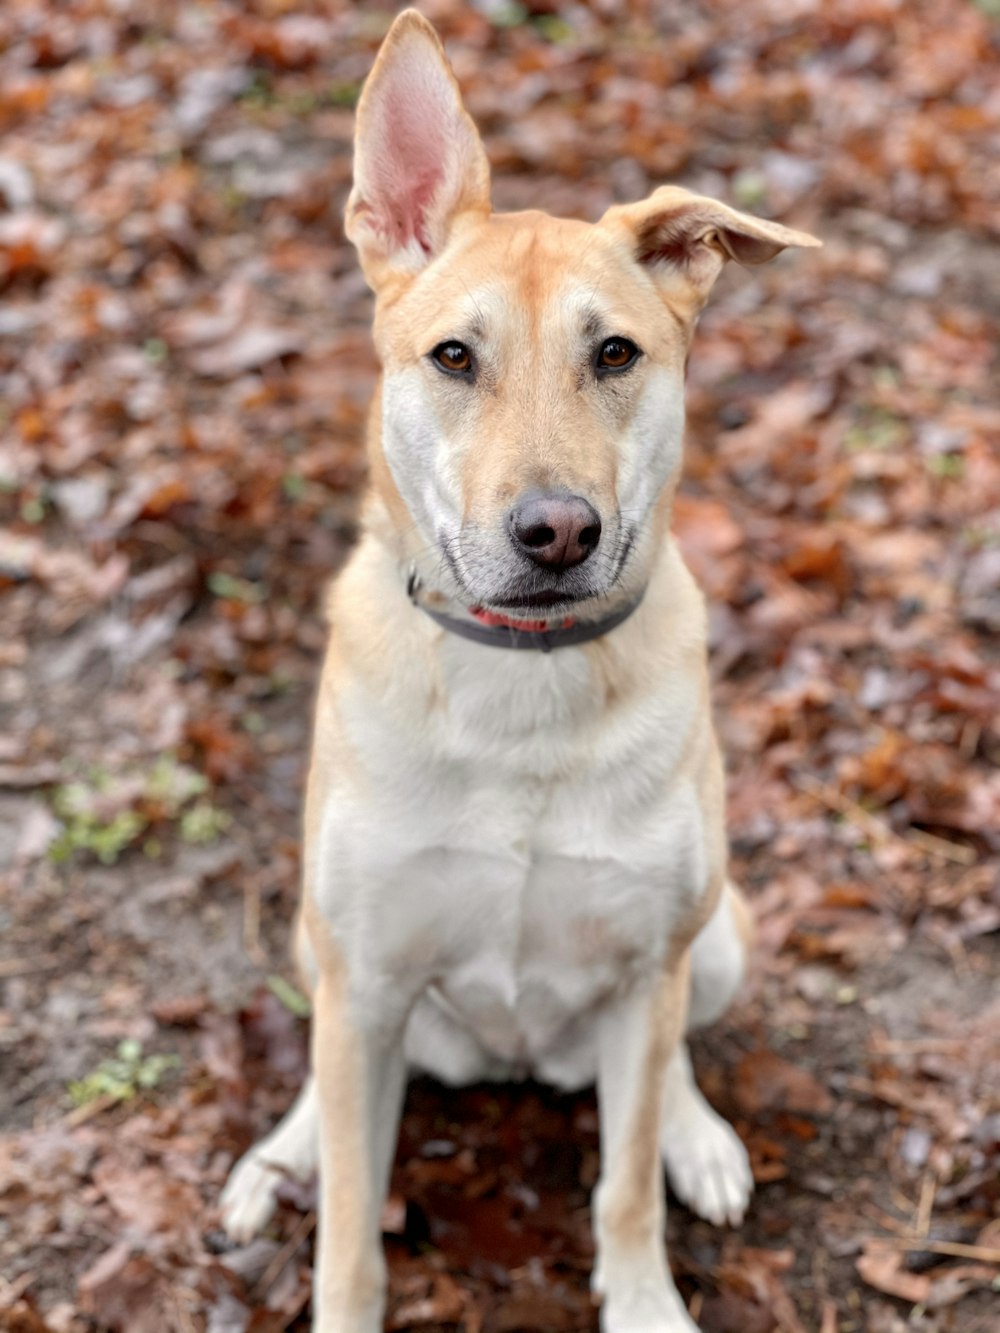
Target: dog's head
532 403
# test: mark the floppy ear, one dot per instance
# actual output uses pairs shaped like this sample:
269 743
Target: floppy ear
684 239
418 161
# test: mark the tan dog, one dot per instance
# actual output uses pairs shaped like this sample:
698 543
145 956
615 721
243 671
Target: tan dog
515 860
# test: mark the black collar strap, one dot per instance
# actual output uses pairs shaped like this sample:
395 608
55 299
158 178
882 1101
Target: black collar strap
507 636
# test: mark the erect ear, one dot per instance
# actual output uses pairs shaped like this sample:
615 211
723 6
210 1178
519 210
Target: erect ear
684 239
419 163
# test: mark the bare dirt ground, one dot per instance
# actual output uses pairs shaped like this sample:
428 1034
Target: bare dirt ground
184 370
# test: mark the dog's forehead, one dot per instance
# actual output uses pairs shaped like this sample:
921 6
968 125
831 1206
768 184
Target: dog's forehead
532 273
554 267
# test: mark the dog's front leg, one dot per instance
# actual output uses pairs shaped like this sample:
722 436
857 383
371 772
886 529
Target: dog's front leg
636 1038
360 1077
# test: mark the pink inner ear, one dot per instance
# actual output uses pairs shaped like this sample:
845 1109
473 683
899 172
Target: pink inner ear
667 238
410 152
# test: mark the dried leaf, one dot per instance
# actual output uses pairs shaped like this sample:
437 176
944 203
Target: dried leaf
766 1082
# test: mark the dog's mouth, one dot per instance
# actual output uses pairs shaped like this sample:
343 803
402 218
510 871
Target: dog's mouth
548 600
534 593
529 602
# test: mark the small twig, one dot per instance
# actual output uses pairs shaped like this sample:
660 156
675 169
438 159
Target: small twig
968 741
13 1291
22 967
91 1109
959 852
902 1205
251 921
829 1321
273 1271
918 1046
886 1220
922 1220
879 829
878 1092
951 1248
821 1286
950 944
182 1315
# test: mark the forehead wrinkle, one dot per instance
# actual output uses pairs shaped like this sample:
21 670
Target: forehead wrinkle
589 317
578 277
478 321
477 313
586 311
525 292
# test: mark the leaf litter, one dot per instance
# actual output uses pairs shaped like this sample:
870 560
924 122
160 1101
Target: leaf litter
185 366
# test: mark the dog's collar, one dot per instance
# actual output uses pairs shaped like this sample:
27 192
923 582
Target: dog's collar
499 632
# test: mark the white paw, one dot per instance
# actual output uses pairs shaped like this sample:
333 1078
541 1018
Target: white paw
645 1307
249 1198
708 1167
357 1318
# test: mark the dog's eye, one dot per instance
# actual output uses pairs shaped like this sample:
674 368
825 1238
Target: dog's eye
617 354
453 357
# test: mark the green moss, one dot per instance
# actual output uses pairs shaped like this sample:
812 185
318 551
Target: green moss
123 1077
104 816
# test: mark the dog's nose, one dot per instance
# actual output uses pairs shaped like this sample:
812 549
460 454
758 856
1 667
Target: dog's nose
554 529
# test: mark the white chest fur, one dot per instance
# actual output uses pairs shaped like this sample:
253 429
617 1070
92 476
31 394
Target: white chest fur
523 845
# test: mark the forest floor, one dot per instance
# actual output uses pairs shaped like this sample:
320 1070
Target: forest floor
185 364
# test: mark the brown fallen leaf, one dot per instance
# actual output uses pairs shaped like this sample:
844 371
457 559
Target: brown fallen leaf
443 1303
21 1316
148 1199
766 1082
249 348
882 1268
758 1274
709 538
952 1285
706 528
182 1011
127 1293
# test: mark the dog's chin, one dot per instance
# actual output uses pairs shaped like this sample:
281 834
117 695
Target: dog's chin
549 604
547 600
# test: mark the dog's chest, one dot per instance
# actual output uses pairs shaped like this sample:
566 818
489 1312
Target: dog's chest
548 942
522 876
523 938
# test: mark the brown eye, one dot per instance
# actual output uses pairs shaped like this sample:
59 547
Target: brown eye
453 357
616 354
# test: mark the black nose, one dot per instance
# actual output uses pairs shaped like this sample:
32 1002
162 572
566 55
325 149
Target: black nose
554 529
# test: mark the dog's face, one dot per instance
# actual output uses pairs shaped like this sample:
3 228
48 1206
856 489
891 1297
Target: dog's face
532 408
533 367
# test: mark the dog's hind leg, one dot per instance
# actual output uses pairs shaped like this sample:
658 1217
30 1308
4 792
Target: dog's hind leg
719 957
291 1149
706 1162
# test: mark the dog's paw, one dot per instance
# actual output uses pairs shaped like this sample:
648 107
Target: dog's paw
347 1317
708 1167
249 1198
645 1307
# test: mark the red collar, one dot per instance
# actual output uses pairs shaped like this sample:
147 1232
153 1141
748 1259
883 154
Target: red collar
493 620
496 631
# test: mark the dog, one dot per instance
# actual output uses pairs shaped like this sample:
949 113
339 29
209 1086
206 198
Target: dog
515 856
